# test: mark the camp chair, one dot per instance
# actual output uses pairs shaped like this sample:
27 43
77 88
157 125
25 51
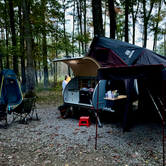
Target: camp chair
3 114
24 110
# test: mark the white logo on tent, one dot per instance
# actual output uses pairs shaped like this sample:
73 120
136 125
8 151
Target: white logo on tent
129 53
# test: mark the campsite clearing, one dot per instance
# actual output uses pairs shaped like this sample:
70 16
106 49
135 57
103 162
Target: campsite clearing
54 141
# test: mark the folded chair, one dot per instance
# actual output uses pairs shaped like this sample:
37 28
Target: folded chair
3 115
24 110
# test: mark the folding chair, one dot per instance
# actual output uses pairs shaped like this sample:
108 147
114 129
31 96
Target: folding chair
25 109
3 115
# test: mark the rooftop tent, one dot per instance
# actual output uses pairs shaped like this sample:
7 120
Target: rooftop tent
10 92
111 52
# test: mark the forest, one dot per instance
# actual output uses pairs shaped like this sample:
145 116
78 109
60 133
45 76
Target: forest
34 32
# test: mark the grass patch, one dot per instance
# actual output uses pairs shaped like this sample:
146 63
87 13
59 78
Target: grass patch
51 94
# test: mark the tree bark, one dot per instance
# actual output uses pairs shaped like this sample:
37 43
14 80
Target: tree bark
146 20
85 51
23 82
44 43
134 16
126 21
156 27
30 86
79 12
112 18
14 42
7 43
97 18
73 28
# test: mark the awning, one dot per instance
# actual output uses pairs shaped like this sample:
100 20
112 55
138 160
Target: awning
85 66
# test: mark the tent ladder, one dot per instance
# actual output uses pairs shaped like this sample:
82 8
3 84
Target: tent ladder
155 104
161 102
98 120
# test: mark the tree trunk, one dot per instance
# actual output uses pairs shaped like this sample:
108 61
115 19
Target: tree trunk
97 18
146 19
156 28
30 88
73 28
36 77
44 43
40 74
85 51
79 12
134 16
7 43
112 18
14 42
23 82
126 21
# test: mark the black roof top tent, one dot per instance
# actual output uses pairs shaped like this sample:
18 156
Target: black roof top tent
112 53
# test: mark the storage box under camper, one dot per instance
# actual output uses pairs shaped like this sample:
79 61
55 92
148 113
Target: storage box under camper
81 91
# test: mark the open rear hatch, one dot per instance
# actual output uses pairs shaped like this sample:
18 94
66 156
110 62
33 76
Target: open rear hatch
85 66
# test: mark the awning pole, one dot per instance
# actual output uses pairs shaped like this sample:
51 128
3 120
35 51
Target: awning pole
97 114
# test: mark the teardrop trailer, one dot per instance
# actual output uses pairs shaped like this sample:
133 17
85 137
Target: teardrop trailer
81 92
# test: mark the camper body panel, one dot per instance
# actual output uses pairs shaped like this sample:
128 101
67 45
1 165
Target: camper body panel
77 93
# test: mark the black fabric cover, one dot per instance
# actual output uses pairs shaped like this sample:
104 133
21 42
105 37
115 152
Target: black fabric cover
111 52
149 76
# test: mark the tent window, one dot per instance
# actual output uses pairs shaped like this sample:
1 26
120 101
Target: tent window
102 55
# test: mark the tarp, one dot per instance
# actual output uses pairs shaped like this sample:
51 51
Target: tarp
10 92
124 61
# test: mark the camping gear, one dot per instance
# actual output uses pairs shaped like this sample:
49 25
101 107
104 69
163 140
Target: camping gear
64 111
10 91
3 114
84 121
115 55
24 110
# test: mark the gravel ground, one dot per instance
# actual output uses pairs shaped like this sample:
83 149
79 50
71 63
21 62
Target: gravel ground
53 141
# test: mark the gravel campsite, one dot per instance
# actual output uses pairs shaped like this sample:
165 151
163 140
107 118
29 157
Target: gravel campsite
54 141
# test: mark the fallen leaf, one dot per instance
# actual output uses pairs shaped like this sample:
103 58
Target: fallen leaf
69 148
75 132
146 161
133 156
66 164
38 150
58 145
66 142
51 145
155 157
83 131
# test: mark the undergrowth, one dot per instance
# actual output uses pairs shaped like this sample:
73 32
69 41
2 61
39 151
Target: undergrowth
51 94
